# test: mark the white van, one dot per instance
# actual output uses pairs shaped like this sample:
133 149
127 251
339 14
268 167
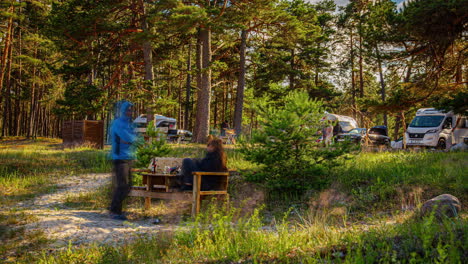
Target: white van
435 128
163 123
344 123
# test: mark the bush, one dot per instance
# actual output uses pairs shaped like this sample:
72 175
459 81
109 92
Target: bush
286 146
156 147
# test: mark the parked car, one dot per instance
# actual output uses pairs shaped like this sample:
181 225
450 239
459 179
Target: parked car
378 135
397 144
355 135
178 135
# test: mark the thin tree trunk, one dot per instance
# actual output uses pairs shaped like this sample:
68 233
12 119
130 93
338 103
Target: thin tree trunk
188 87
204 94
199 65
148 59
3 64
240 85
7 113
361 71
291 74
32 102
382 82
353 85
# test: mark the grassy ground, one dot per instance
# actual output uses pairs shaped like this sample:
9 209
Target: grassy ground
375 193
29 168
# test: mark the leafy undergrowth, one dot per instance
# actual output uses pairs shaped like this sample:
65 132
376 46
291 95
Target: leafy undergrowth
392 180
217 237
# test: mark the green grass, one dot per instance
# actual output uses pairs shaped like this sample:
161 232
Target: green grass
371 228
385 180
28 167
217 237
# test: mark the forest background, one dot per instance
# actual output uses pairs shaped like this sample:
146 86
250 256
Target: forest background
206 61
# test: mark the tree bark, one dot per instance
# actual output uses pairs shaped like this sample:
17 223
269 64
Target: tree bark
240 85
148 60
204 93
5 53
7 113
353 85
199 65
291 74
32 102
188 88
382 82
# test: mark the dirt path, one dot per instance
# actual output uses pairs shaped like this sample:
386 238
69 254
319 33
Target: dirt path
64 225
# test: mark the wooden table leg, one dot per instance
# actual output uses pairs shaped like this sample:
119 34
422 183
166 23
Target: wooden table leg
148 188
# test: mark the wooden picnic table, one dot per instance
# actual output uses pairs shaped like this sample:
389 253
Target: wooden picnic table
161 186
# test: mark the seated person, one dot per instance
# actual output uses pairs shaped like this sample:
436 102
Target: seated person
214 161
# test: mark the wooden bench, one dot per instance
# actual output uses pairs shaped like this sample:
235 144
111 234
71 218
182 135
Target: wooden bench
161 186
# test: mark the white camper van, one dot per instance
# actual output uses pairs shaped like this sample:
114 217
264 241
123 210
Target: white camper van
344 123
435 128
163 123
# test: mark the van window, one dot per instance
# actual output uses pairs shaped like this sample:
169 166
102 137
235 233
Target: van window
462 123
345 126
140 125
448 122
426 121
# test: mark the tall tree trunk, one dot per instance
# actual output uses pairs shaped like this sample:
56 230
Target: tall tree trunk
204 93
353 84
3 63
7 113
188 88
148 59
18 113
199 65
30 131
291 74
240 85
361 71
382 82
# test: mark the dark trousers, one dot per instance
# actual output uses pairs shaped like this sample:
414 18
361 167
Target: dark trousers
188 166
191 165
122 181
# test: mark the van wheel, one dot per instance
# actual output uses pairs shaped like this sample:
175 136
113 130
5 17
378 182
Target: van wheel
441 144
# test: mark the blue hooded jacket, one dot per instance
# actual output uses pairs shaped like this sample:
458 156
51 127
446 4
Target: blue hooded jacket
123 135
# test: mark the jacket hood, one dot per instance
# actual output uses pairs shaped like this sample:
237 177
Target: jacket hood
123 108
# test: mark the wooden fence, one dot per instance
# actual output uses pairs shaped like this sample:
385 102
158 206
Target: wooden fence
79 132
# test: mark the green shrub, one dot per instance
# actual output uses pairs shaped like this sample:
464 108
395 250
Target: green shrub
286 146
156 147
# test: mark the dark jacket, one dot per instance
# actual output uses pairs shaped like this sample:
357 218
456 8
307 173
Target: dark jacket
211 162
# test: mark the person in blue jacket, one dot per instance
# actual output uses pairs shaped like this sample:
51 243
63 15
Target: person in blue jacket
123 136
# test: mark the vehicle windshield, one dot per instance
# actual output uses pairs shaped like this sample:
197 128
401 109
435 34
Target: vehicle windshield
426 121
355 131
140 125
346 126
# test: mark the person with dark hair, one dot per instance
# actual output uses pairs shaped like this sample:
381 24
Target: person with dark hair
122 136
224 127
214 161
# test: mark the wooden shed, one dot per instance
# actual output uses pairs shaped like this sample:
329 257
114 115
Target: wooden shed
79 132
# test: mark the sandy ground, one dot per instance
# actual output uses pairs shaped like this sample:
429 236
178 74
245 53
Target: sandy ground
65 225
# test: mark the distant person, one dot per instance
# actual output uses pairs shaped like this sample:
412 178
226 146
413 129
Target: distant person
123 136
327 137
214 161
337 129
224 127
